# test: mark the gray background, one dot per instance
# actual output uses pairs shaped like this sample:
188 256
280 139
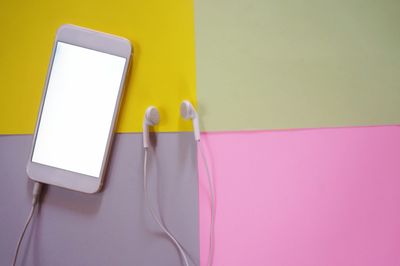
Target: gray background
112 227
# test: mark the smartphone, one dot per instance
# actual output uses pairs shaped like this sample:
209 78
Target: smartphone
79 109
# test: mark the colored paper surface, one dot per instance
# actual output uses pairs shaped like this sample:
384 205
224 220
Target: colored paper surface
294 64
113 227
162 73
303 197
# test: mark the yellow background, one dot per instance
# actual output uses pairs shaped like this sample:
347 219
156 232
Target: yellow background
163 70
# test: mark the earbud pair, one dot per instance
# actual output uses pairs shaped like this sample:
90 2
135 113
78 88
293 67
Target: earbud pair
152 118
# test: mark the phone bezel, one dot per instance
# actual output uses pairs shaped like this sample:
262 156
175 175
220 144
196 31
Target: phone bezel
97 41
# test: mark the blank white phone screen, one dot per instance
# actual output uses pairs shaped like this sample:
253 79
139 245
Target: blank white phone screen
78 109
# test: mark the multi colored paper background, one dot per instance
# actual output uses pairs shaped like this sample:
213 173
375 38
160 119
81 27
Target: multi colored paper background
303 194
259 64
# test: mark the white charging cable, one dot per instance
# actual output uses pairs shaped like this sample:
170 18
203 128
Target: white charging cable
37 188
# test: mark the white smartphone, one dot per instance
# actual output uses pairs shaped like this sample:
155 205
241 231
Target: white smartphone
79 108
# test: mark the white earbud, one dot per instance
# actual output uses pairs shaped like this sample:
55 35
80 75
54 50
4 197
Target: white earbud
151 118
188 112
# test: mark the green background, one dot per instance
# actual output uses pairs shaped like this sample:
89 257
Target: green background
297 64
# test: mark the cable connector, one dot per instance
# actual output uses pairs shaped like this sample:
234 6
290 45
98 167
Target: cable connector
37 189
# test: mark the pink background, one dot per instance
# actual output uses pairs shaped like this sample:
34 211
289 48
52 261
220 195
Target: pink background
304 197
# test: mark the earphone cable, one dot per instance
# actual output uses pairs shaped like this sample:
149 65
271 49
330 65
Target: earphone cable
211 188
152 212
37 187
